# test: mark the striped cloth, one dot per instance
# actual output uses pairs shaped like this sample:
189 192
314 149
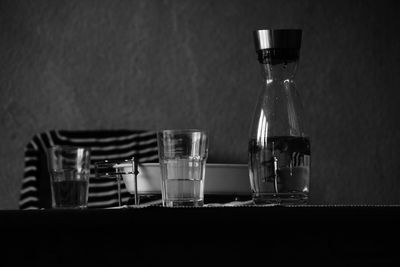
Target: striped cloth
109 144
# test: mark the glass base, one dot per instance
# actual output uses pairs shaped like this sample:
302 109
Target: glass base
143 199
183 203
280 199
70 207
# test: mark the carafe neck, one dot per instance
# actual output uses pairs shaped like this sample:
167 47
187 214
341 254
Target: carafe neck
278 64
279 72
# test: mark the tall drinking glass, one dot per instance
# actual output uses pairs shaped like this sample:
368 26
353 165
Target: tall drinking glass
182 155
69 169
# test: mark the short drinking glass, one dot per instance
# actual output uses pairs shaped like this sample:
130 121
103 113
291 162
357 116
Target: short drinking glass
182 155
119 170
69 169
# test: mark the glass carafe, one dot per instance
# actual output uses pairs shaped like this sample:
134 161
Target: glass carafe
279 149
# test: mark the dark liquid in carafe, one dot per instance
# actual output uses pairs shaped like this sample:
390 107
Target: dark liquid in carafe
280 168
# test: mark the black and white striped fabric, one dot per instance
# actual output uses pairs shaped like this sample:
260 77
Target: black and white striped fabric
114 144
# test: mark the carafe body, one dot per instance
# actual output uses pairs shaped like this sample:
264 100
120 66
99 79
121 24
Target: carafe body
279 149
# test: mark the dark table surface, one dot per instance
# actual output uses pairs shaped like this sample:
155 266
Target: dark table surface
240 235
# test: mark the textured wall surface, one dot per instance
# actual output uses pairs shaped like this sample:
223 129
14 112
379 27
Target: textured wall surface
147 64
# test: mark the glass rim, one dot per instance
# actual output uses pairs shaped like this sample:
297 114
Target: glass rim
189 130
102 168
114 161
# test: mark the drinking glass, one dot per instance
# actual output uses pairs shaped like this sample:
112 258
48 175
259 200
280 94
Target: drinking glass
182 155
120 170
69 169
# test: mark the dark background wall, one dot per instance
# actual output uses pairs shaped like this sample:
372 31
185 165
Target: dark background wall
178 64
